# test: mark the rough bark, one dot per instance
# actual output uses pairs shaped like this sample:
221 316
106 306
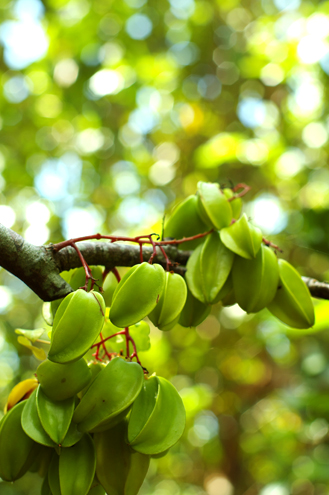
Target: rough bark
39 267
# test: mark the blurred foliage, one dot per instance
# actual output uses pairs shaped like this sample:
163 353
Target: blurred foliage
111 112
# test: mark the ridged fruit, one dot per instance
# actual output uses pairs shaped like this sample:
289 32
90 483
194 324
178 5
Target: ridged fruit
53 475
255 281
112 392
137 294
61 381
31 423
208 269
20 392
213 207
171 302
194 311
242 238
119 469
185 221
292 303
55 416
17 450
77 278
236 203
77 324
77 466
157 418
45 488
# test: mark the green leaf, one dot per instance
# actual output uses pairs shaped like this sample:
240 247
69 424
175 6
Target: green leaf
32 335
37 351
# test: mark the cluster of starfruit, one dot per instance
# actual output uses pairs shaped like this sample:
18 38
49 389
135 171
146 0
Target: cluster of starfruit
87 428
233 264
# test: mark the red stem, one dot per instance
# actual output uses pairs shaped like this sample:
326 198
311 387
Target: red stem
245 190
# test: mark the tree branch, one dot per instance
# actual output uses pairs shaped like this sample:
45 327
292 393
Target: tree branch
39 267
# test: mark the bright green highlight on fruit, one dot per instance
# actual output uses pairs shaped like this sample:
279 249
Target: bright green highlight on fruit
292 303
242 238
137 294
157 418
77 324
213 207
171 302
236 204
208 269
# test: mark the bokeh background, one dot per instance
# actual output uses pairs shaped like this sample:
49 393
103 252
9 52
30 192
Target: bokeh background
110 113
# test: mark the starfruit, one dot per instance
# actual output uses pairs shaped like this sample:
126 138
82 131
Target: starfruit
111 393
255 281
137 294
45 488
53 476
61 381
20 392
42 460
292 303
242 238
96 490
208 269
77 466
194 312
55 416
17 450
157 418
213 207
171 302
31 423
236 203
77 324
119 469
77 279
185 221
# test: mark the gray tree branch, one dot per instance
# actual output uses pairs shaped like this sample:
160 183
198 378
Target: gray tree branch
39 267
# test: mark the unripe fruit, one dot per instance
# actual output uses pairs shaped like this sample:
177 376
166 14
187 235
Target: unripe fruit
292 303
112 392
185 221
242 238
171 303
157 418
119 469
236 203
194 311
17 450
31 423
213 207
61 381
208 269
77 324
137 294
55 416
77 466
255 281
